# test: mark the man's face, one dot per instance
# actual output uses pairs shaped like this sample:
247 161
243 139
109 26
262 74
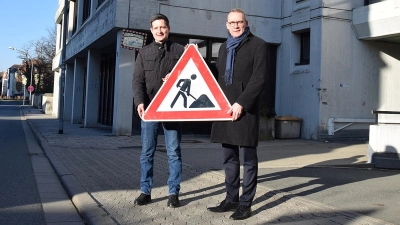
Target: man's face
236 24
159 30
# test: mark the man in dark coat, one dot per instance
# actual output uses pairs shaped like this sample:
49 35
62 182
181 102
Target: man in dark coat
242 75
152 66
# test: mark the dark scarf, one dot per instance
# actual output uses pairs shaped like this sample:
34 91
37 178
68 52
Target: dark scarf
231 45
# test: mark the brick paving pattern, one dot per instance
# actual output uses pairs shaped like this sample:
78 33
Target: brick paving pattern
108 168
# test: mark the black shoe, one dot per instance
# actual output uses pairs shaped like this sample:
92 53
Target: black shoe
173 201
224 206
143 199
242 212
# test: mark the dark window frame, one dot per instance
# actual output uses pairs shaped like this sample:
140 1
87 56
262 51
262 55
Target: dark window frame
75 18
86 10
305 48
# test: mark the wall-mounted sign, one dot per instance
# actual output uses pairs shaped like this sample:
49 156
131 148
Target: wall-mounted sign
132 39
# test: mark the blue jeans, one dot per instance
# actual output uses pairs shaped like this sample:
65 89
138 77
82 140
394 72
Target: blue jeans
172 133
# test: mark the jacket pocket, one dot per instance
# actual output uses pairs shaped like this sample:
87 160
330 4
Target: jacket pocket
172 60
149 62
173 57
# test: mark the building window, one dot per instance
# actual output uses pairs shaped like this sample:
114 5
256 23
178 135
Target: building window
86 10
75 20
59 32
304 58
67 24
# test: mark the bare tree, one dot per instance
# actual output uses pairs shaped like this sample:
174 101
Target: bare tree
45 48
41 53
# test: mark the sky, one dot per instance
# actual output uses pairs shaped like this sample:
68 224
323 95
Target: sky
23 21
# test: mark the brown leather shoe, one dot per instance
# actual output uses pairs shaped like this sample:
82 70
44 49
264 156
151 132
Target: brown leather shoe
224 206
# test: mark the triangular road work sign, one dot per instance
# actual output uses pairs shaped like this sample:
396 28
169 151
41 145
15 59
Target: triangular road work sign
191 93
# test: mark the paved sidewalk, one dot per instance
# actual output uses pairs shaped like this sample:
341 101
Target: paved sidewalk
101 173
57 207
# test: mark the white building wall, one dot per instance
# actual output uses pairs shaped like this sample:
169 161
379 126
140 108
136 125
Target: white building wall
207 18
359 76
389 79
56 93
298 86
346 77
349 76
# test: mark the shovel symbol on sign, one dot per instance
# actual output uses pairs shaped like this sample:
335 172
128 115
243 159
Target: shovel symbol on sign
202 102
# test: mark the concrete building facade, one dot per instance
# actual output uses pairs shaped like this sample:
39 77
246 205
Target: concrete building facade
334 61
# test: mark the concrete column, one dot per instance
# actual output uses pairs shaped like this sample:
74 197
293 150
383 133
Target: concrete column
78 87
56 92
68 90
92 88
123 97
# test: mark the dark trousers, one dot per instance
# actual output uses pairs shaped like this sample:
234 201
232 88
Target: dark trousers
232 173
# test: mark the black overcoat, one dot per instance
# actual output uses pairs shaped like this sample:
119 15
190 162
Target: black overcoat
249 80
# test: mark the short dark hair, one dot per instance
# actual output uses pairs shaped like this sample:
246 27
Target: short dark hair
159 16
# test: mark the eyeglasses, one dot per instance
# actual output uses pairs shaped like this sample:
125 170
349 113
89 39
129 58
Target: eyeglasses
237 23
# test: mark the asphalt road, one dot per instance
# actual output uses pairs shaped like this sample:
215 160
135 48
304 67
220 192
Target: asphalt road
19 197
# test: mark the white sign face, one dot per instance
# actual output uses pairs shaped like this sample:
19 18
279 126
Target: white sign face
190 94
133 40
189 86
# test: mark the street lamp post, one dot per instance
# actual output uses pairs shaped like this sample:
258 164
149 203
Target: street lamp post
30 83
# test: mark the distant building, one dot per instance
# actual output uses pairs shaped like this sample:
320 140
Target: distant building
332 61
1 82
4 84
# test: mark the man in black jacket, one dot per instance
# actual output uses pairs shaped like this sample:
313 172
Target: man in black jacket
152 65
242 75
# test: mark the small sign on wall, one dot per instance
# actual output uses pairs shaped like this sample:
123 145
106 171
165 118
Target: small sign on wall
132 39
